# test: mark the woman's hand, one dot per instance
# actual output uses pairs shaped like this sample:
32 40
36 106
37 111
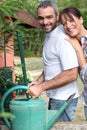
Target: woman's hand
76 45
74 42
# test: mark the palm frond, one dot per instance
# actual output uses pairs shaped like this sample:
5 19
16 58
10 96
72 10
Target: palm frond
4 12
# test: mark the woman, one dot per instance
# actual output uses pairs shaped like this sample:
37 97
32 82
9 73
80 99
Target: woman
72 21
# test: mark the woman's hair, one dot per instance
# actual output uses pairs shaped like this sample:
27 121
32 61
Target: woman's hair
69 11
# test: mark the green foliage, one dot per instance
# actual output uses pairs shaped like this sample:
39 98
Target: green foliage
32 38
84 13
7 114
35 42
32 41
19 78
5 79
8 8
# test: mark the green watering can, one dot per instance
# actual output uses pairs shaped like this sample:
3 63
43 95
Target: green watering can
31 114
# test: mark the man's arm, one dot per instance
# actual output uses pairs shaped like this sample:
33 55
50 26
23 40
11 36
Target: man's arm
41 77
63 78
39 80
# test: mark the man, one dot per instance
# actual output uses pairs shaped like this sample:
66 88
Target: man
60 72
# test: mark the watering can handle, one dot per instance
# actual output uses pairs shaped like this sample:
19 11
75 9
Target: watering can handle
5 95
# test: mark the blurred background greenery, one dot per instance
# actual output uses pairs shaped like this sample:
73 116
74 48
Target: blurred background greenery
33 38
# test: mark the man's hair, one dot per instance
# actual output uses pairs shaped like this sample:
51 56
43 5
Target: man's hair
46 3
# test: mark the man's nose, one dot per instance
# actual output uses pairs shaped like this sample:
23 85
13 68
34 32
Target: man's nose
45 21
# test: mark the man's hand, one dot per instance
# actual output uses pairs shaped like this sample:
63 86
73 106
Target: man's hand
34 90
33 83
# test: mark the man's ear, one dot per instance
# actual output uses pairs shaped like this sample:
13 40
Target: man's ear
57 16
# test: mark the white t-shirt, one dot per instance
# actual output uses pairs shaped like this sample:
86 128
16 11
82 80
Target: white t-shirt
59 55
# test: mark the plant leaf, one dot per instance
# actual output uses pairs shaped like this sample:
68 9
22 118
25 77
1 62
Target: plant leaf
7 114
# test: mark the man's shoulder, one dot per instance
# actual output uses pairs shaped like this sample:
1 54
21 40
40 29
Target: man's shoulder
61 31
60 34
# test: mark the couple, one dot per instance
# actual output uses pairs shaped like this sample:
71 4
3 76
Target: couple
60 61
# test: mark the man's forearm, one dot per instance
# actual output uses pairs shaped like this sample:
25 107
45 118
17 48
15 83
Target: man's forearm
41 78
60 80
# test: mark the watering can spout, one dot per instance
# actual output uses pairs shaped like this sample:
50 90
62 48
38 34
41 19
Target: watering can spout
53 115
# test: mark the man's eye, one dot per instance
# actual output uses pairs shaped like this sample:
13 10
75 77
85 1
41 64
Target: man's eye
49 17
40 18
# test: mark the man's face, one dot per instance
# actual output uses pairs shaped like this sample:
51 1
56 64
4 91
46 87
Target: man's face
47 18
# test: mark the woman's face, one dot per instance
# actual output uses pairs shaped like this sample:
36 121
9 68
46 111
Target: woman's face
72 25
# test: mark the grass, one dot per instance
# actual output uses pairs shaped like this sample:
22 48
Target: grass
31 63
34 63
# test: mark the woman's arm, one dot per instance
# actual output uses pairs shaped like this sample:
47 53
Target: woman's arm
81 58
83 74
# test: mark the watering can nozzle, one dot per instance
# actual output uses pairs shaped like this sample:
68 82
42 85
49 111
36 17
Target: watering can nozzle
70 98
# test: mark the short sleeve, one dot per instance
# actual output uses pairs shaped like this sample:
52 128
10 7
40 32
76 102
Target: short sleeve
67 55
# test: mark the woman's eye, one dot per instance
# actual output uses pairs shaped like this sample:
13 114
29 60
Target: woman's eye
71 20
